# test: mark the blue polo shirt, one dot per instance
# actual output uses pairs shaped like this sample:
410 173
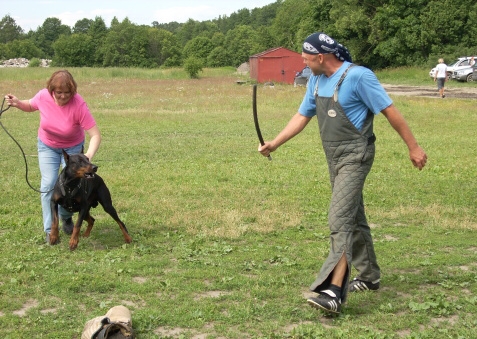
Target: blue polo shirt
359 92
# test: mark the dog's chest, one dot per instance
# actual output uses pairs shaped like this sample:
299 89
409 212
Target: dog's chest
73 196
70 199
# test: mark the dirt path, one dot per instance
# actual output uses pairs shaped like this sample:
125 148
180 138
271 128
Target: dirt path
431 91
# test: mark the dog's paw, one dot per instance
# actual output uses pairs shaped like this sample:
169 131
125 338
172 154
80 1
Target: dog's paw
51 239
73 243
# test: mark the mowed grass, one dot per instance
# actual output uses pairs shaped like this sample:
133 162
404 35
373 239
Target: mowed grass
225 242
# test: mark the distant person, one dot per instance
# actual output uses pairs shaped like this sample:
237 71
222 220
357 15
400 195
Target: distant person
64 118
345 98
441 77
472 61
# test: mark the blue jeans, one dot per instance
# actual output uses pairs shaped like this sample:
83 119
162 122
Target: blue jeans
50 160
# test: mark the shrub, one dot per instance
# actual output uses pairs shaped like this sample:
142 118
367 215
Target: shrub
193 66
34 62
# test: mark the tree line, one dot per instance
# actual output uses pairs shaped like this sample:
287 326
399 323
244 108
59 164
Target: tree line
379 34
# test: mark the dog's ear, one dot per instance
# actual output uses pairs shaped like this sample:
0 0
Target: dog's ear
65 156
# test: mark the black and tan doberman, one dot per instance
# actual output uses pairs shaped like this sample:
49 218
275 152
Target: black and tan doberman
77 189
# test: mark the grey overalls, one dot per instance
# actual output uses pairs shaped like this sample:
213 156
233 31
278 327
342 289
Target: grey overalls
350 155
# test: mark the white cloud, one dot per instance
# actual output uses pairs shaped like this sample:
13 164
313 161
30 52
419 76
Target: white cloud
70 18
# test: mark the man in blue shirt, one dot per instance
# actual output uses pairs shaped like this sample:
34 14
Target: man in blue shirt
345 98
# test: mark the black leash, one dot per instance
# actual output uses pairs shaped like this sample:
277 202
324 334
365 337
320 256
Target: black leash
20 147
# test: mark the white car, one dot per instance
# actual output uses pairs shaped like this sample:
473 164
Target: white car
464 74
301 78
456 65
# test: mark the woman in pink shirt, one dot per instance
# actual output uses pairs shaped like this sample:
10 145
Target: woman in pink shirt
64 118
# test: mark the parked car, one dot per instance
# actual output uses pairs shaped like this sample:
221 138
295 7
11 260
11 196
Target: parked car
464 74
301 78
474 74
456 65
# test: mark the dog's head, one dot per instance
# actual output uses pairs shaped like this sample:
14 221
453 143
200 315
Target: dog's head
79 166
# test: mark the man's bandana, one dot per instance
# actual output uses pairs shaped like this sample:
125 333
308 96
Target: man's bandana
320 43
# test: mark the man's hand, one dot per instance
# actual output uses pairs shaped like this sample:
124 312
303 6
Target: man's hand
418 157
266 149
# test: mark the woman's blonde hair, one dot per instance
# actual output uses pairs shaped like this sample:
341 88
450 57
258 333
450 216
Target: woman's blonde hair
59 79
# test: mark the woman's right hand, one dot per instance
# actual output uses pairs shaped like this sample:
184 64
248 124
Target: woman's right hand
11 100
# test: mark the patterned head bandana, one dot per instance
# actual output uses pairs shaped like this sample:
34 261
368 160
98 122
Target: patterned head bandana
320 43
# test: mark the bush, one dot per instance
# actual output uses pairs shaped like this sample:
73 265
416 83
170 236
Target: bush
34 62
193 66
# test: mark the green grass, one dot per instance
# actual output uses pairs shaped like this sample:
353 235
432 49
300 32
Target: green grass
91 74
225 242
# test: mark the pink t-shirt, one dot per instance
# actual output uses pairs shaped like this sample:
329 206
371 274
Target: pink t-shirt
62 126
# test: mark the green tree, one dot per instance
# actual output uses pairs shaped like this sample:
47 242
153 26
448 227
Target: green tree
218 39
76 50
9 30
198 47
240 18
187 31
455 30
318 20
350 23
264 16
378 33
3 52
163 47
127 45
98 31
115 22
241 43
47 33
218 57
192 29
287 22
402 43
172 26
401 32
24 48
82 26
265 38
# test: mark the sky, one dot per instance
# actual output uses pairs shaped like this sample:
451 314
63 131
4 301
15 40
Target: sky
30 14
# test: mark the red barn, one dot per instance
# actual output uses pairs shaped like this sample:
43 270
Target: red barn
277 64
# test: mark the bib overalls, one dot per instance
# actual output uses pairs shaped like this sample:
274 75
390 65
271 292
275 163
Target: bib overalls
350 155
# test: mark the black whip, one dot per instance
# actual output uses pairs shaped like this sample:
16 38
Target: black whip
255 118
20 147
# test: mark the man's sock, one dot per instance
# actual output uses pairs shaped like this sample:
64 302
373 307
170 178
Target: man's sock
335 291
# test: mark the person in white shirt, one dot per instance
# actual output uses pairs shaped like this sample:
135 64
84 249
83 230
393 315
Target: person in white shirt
441 76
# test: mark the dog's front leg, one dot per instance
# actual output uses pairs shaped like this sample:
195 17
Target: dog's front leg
74 239
54 233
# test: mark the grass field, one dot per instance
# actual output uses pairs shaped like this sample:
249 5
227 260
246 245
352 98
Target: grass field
225 242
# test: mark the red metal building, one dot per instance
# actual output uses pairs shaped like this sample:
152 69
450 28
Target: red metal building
275 65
